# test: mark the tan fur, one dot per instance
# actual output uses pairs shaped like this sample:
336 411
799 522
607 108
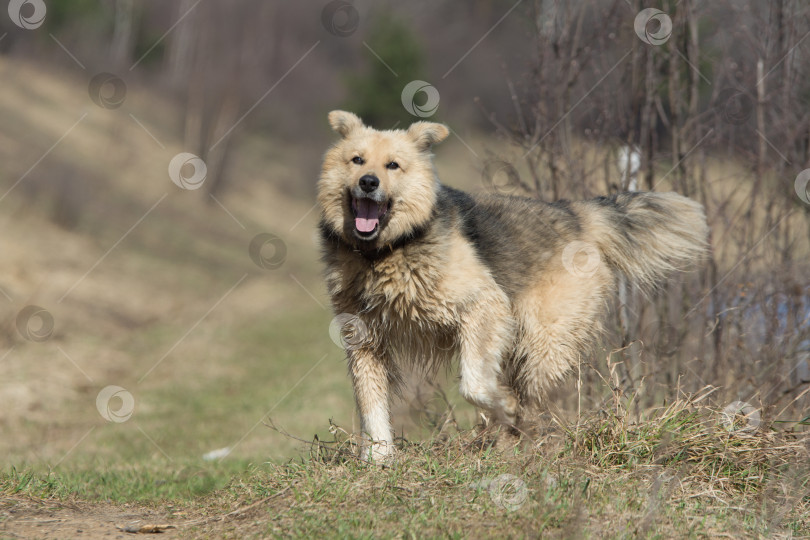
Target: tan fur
559 320
497 282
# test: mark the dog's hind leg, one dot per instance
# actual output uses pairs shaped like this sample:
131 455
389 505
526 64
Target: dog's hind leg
559 317
371 391
486 335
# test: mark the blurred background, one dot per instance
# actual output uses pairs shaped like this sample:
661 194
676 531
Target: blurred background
160 288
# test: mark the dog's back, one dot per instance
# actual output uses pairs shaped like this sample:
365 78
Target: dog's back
643 235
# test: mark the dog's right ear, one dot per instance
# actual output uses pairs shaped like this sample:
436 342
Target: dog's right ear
344 122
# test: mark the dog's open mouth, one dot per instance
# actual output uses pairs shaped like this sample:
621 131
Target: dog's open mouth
367 215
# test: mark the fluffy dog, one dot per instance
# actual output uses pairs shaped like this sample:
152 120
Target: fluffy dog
514 287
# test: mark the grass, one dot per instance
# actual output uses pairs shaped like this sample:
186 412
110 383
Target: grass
682 471
154 482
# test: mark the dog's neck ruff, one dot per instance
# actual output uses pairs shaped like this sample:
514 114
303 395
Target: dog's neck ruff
370 250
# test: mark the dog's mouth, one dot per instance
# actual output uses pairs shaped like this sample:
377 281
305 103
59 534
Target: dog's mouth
367 215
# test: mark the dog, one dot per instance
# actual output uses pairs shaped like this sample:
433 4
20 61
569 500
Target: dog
515 288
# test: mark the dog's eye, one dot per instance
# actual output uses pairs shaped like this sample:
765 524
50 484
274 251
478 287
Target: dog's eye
392 166
357 160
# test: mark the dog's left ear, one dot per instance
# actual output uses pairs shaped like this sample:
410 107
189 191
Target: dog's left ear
426 134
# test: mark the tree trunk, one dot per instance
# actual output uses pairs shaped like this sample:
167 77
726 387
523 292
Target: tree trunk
181 46
122 38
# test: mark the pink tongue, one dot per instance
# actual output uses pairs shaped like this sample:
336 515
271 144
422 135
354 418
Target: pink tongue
368 215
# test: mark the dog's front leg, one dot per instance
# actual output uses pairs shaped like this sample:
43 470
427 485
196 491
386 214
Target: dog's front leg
370 381
486 335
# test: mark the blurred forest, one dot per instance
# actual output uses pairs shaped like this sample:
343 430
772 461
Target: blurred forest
542 72
573 99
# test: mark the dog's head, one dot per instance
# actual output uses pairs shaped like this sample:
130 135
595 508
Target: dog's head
377 187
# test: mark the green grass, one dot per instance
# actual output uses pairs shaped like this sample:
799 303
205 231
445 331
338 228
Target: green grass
157 481
574 481
275 366
157 454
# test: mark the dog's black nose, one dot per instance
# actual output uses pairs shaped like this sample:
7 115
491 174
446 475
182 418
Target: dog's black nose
369 182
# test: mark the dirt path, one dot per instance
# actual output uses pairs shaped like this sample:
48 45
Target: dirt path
25 517
22 517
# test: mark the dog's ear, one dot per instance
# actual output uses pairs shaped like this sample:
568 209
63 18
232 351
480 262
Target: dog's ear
426 134
344 122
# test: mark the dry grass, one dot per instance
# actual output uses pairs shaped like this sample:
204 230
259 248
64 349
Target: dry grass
686 470
689 469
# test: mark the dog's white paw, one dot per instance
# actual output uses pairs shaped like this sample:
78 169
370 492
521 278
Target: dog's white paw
379 452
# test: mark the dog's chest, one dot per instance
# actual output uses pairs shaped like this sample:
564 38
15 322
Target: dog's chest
402 289
427 287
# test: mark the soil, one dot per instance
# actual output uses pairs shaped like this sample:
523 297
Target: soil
22 517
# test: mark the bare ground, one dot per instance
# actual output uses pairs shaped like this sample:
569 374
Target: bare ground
25 517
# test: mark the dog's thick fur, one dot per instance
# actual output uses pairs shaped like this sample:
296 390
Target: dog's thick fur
493 280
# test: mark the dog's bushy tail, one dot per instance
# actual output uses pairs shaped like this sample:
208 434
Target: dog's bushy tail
646 235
